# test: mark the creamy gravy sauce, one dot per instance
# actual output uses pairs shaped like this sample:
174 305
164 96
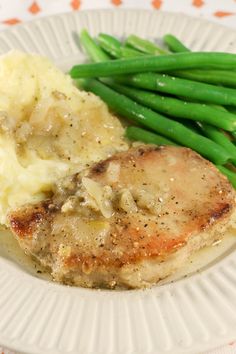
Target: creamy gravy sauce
201 260
205 257
10 250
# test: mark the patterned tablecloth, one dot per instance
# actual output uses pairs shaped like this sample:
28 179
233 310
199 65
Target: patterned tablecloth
222 11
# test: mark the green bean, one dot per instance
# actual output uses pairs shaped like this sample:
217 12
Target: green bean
115 48
110 44
92 49
217 77
127 52
156 63
144 45
174 44
229 174
139 134
177 108
181 87
220 138
158 123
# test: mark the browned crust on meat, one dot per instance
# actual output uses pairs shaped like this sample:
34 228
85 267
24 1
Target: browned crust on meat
223 209
100 167
24 223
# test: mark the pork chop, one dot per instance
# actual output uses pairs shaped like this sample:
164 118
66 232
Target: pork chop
130 220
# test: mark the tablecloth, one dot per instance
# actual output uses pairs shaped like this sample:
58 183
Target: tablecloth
13 12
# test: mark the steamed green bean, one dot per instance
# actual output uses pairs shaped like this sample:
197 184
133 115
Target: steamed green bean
174 44
92 48
155 63
144 45
139 134
181 87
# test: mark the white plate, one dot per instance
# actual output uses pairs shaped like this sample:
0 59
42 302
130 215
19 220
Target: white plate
189 315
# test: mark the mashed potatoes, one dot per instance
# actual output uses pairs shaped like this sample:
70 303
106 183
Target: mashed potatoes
48 129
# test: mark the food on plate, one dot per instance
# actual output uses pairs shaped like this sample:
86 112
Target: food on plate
49 129
191 104
83 194
129 220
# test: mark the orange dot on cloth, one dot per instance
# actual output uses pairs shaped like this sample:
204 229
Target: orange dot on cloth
223 13
198 3
157 4
116 2
75 4
34 8
12 21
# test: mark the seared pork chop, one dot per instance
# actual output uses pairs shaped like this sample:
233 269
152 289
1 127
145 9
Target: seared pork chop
128 221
